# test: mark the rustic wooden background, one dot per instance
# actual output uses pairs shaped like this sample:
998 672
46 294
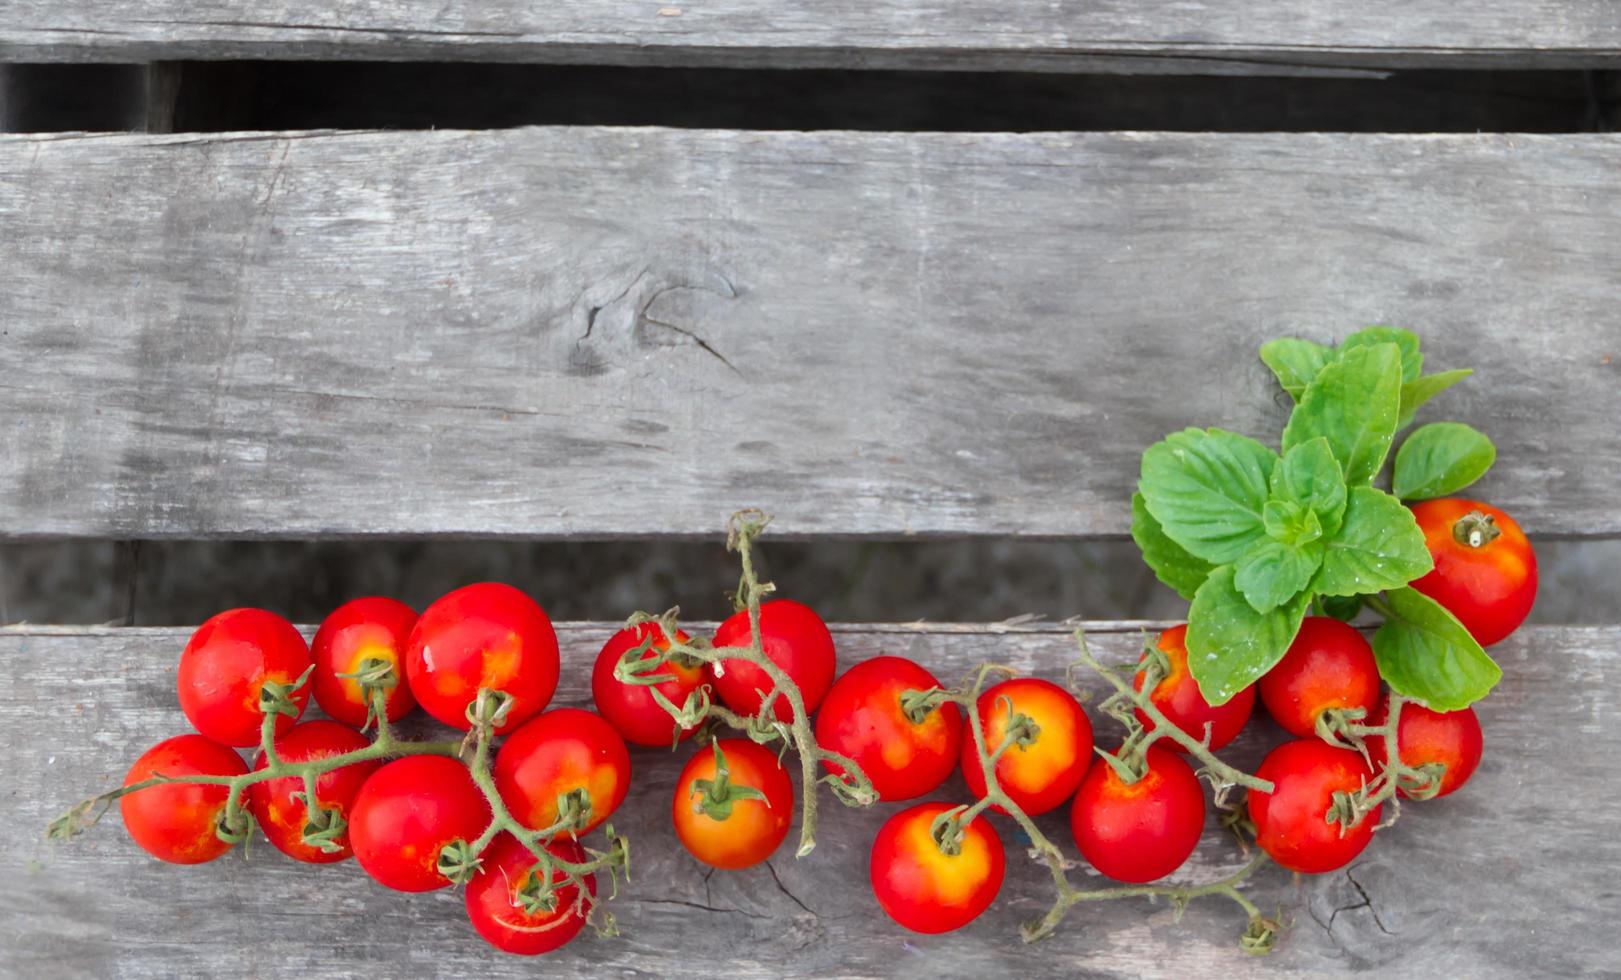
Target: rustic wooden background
294 297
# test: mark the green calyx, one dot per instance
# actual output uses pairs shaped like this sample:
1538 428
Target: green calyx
276 697
1475 529
716 797
458 861
1255 538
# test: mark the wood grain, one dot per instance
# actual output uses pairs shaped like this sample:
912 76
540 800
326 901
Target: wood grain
1225 35
1499 880
618 332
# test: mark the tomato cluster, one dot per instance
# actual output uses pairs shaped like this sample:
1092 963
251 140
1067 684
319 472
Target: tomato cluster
484 660
247 674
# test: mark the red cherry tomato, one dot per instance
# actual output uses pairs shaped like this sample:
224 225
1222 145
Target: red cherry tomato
407 812
752 829
1041 776
227 663
562 750
922 887
1290 823
1178 698
501 896
175 822
862 718
630 708
488 636
1485 571
282 817
1329 665
361 630
1140 831
1423 737
795 639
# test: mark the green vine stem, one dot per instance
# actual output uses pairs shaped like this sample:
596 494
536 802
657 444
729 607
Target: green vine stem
642 665
1127 700
459 860
1260 932
1415 782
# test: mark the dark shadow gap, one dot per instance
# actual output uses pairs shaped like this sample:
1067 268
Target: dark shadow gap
169 583
222 96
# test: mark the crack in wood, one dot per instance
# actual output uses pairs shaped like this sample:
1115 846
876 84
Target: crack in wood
784 889
701 906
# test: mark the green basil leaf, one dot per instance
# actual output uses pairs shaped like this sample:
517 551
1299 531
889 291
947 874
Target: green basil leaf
1378 547
1289 523
1230 645
1295 362
1440 459
1170 561
1353 404
1412 361
1310 476
1273 572
1424 653
1206 488
1415 393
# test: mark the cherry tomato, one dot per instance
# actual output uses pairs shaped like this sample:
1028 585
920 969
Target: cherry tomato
1040 776
175 822
361 630
1290 823
1485 571
862 718
500 897
752 829
922 887
558 752
282 817
1140 831
795 639
1329 665
226 664
486 636
1423 737
1178 698
407 812
630 708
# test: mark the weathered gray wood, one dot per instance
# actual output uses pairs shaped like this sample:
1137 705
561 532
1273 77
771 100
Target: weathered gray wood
601 332
1069 36
1501 880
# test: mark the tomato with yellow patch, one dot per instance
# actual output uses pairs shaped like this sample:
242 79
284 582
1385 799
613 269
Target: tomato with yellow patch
1485 569
363 635
278 804
488 637
1142 830
175 822
227 663
406 814
745 829
924 888
508 908
631 708
558 753
1040 771
1178 698
863 718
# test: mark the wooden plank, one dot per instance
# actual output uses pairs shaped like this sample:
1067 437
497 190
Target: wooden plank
1068 36
1496 881
605 332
